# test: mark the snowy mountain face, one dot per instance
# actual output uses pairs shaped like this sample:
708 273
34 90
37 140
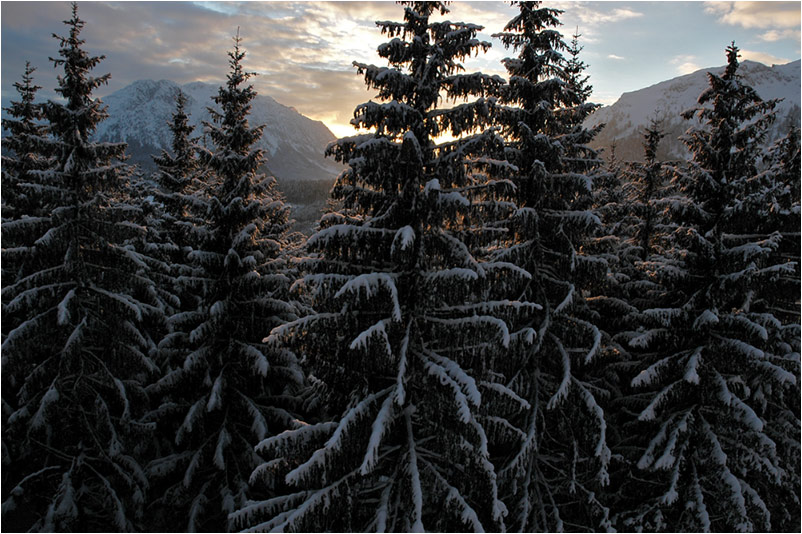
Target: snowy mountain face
626 119
293 143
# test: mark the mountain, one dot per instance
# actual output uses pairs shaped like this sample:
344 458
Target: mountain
627 117
293 144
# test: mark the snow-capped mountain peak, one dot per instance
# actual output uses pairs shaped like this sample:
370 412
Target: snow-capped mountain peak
139 115
627 117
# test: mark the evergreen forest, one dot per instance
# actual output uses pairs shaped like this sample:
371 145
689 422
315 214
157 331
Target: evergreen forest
494 326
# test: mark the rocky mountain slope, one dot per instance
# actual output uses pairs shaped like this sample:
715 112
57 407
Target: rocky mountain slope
293 143
626 118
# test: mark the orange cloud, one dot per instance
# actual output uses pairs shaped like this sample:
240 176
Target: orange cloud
756 14
762 57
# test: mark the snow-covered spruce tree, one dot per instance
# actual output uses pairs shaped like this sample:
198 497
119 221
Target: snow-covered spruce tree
223 397
645 181
21 212
578 156
770 203
178 215
719 412
563 459
78 356
631 244
22 209
609 204
22 153
411 338
634 222
177 177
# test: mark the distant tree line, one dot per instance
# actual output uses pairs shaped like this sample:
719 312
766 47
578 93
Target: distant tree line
491 329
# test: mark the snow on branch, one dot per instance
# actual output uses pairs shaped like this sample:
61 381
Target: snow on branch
377 330
653 372
378 429
456 372
323 456
463 409
602 451
648 457
291 441
404 239
567 300
644 340
194 414
692 368
742 348
258 422
283 332
565 383
648 413
367 283
506 392
467 514
459 273
270 508
260 363
663 316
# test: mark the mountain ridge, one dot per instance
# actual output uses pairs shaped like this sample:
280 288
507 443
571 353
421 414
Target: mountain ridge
626 118
139 113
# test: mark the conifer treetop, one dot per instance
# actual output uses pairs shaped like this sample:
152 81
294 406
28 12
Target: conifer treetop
424 63
176 169
735 120
75 84
531 31
233 133
181 126
576 67
24 109
24 115
651 137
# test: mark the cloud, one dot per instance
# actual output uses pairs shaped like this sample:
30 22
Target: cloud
762 57
587 17
301 51
605 98
613 56
593 16
756 14
685 63
779 35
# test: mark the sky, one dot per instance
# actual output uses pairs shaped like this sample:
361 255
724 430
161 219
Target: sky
303 51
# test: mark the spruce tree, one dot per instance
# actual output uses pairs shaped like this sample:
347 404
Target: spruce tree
224 393
77 352
632 243
413 339
635 219
178 177
562 462
645 184
770 203
610 205
178 217
22 210
718 425
22 152
578 156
